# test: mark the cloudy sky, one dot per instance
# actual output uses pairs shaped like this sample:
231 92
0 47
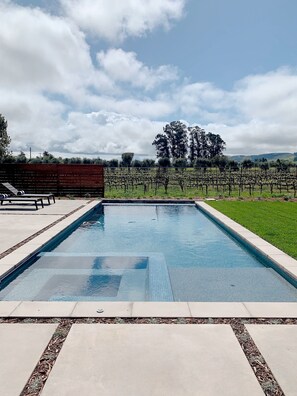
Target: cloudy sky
104 76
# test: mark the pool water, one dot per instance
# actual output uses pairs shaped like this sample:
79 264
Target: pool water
147 253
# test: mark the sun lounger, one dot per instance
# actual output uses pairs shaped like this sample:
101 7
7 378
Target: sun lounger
18 200
20 193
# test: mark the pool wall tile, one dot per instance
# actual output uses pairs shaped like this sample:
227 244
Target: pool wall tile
159 282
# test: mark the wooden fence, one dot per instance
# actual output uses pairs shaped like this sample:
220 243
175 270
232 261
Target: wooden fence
59 179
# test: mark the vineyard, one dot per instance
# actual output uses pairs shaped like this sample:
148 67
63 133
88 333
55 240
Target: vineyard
190 182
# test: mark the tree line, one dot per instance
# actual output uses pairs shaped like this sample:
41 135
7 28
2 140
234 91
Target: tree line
178 146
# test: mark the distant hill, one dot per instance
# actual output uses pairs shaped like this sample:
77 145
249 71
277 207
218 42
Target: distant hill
268 156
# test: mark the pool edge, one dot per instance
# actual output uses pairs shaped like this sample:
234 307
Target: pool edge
43 309
280 259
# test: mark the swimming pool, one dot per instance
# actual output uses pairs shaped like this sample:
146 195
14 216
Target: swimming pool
138 252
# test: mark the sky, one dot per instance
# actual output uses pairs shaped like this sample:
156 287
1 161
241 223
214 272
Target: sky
103 77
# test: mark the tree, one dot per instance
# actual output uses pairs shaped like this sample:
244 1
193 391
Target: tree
173 143
220 161
176 133
148 163
137 163
164 162
233 165
195 143
48 158
127 159
216 145
282 165
202 163
97 161
162 146
87 161
4 138
180 163
74 160
247 164
113 163
21 158
263 164
204 145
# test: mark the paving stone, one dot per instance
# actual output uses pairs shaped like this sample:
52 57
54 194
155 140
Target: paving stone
44 309
278 345
144 360
272 309
6 307
160 309
102 309
218 310
21 346
15 226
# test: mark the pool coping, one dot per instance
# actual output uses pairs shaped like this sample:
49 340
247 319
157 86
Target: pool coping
44 309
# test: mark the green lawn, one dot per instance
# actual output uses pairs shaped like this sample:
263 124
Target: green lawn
276 222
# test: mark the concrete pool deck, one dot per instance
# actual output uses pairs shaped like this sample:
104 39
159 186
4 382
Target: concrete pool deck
144 359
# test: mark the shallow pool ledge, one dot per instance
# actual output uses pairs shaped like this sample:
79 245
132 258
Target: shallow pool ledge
282 260
16 258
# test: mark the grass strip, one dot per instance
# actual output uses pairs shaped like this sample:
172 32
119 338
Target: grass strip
276 221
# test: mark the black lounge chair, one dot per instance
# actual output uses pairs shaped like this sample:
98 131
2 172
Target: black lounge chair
19 200
20 193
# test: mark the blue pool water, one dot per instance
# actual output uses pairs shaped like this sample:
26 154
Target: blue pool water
147 252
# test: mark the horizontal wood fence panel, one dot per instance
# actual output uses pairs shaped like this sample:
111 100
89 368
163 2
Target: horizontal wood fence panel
59 179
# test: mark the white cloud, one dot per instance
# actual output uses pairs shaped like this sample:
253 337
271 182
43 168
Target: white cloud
203 100
270 97
41 52
256 116
148 108
254 137
110 132
56 99
124 67
33 120
47 78
115 20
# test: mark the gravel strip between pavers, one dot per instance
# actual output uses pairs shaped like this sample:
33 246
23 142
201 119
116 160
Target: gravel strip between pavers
258 364
262 371
41 372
